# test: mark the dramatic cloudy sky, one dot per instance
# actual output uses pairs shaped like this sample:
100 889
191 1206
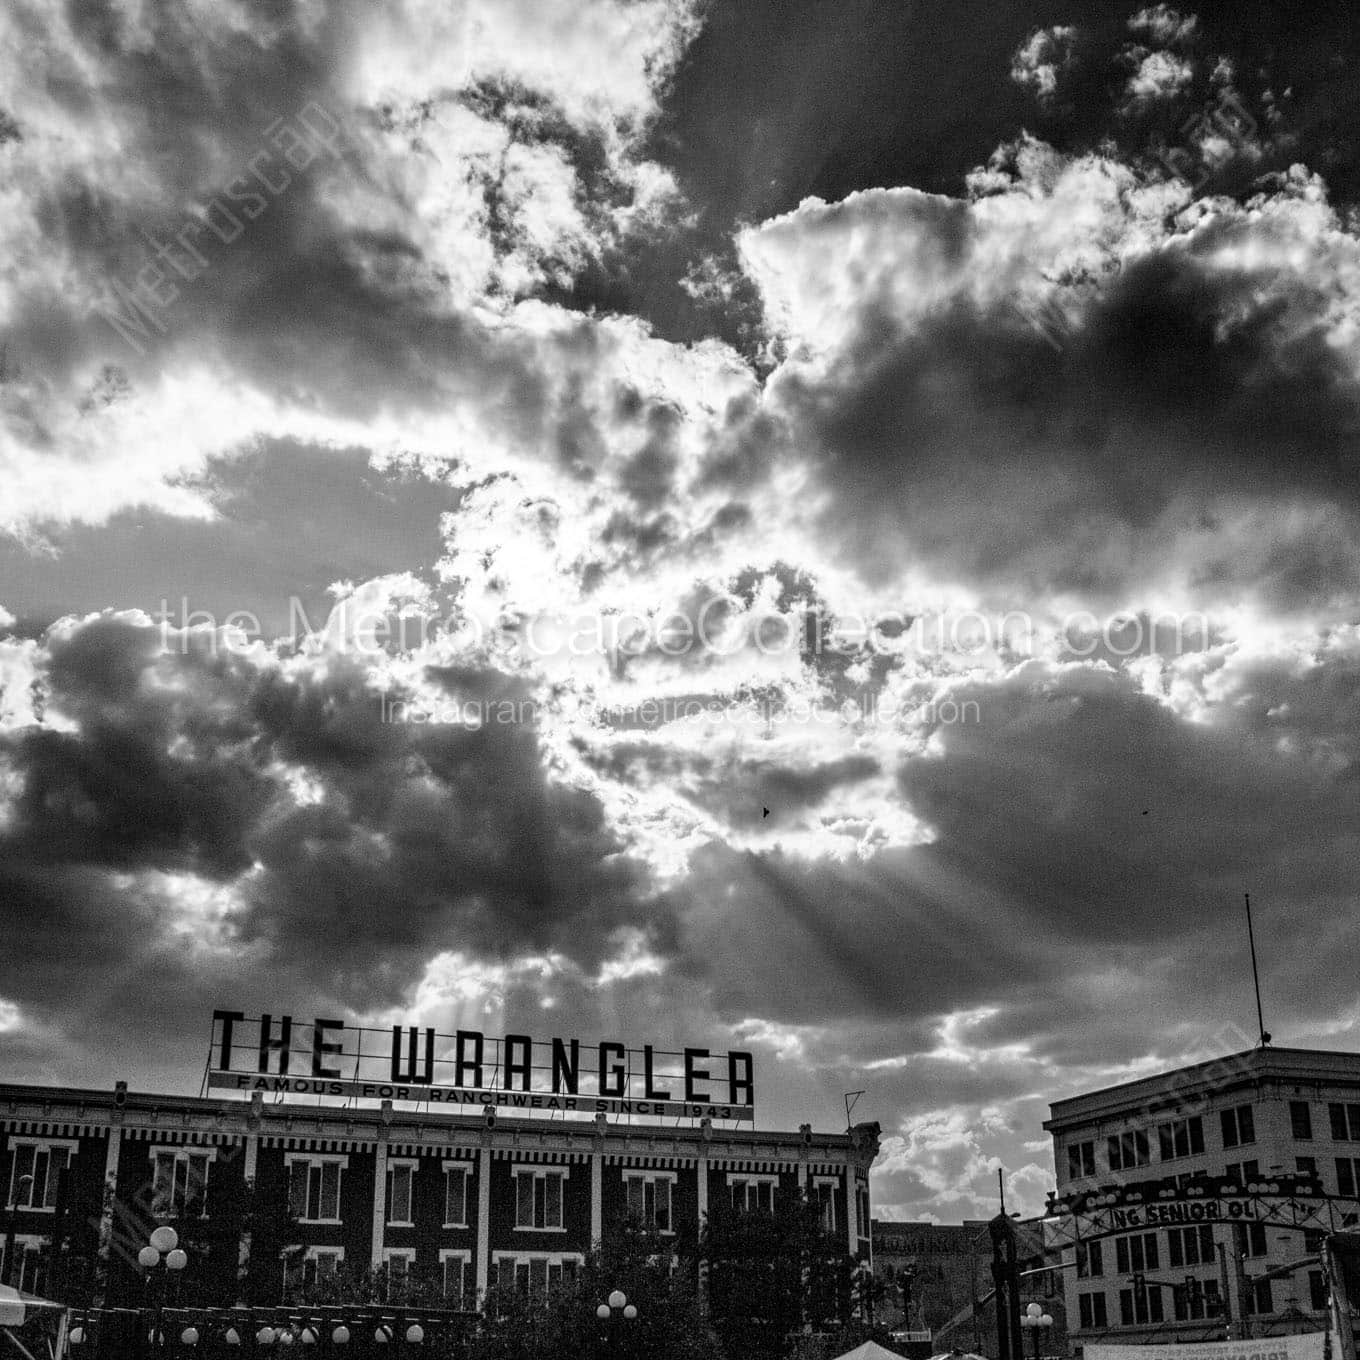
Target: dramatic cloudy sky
633 355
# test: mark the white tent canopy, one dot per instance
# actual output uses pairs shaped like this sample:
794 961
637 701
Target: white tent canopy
17 1308
870 1350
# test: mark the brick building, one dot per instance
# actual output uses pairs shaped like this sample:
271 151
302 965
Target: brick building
262 1191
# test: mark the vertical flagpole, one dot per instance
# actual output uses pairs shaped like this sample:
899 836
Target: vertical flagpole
1255 976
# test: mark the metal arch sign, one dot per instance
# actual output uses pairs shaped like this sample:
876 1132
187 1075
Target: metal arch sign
1284 1202
272 1054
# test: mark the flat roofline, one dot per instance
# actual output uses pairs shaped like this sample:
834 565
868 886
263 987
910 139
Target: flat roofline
60 1099
1221 1073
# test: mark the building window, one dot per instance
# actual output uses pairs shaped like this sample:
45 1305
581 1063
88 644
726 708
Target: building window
1317 1291
535 1275
649 1199
1345 1122
179 1182
1090 1260
455 1195
1129 1150
400 1197
1181 1138
398 1265
455 1270
314 1188
1239 1126
1254 1238
1243 1173
753 1192
1081 1160
1194 1300
1301 1119
1258 1298
31 1255
1091 1311
1138 1252
1190 1246
317 1263
1306 1166
43 1161
538 1199
826 1192
1139 1310
862 1212
1347 1176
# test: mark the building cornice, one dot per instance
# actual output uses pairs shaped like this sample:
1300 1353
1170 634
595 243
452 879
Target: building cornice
208 1120
1166 1091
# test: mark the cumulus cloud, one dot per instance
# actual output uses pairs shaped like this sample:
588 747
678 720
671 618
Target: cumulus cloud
1043 57
911 325
1164 24
1160 75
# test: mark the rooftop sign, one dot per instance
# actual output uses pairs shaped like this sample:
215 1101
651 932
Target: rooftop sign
467 1068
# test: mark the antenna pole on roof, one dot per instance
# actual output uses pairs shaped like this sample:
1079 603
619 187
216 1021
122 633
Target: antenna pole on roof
851 1100
1255 975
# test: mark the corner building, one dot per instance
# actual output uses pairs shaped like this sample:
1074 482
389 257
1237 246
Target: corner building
1243 1133
258 1190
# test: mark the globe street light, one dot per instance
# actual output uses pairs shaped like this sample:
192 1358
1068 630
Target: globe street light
164 1242
1037 1321
611 1312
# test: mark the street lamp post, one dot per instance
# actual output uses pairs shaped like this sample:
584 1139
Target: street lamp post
164 1243
1036 1320
610 1313
21 1188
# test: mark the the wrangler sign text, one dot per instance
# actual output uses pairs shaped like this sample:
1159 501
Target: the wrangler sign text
413 1063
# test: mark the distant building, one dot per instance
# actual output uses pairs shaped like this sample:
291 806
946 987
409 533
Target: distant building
951 1284
1210 1184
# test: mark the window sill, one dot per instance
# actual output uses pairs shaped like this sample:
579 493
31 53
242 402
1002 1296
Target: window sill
320 1222
401 1223
518 1228
31 1208
456 1225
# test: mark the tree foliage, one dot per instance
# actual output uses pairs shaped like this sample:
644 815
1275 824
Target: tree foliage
774 1275
647 1267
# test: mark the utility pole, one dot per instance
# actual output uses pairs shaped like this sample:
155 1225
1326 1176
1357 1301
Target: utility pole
1240 1279
1231 1305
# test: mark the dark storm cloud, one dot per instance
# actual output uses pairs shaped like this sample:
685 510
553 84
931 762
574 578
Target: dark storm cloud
1089 852
299 294
1186 380
421 837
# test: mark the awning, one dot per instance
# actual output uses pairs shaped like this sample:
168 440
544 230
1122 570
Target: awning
870 1350
17 1308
